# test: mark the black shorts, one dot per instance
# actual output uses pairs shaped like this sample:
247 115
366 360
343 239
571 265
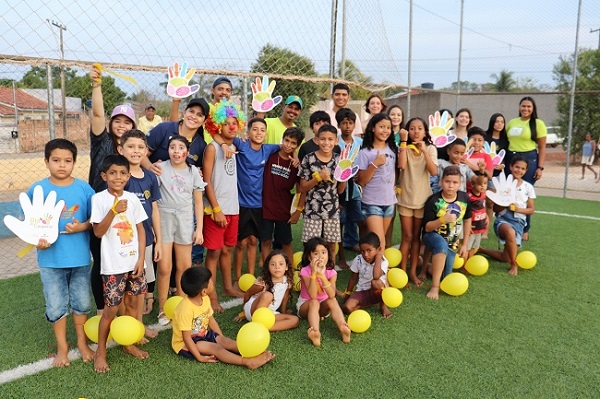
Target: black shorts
250 222
210 336
279 230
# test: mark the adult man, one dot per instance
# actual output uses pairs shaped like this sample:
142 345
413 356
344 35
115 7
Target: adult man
149 120
276 126
341 96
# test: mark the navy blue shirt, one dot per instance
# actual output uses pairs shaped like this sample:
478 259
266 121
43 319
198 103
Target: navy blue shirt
158 143
146 189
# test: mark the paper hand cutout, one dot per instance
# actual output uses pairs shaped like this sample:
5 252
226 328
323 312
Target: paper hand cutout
346 169
489 149
41 217
439 127
261 95
178 84
506 190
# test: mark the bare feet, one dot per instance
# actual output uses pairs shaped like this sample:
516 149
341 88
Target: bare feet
525 236
100 363
345 332
61 359
87 354
422 276
415 280
315 336
217 308
150 333
434 292
385 311
142 341
240 317
260 360
514 269
234 292
135 351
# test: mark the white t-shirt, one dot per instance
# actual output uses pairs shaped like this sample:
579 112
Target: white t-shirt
524 192
120 247
365 272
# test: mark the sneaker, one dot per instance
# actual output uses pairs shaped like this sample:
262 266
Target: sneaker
163 320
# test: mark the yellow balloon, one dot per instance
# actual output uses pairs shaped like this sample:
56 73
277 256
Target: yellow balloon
392 297
264 316
297 260
397 278
170 305
297 281
126 330
394 256
458 262
246 281
359 321
477 265
455 284
253 339
526 259
91 328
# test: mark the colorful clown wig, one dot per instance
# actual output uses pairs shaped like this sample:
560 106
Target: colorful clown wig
220 112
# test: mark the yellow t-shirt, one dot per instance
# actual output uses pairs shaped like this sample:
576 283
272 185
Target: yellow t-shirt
190 317
519 134
275 129
414 179
145 125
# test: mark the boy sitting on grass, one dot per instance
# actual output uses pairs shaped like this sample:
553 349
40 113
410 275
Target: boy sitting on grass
196 333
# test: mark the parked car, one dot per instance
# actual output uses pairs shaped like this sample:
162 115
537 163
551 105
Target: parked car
552 137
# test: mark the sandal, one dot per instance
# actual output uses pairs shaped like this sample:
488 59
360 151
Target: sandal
148 303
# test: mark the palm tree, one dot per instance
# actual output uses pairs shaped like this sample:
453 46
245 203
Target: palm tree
504 81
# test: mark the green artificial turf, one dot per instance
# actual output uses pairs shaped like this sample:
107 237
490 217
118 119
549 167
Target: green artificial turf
530 336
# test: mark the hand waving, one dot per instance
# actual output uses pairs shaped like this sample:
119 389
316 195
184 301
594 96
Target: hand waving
261 95
178 85
439 129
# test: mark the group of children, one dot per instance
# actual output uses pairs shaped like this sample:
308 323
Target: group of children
245 190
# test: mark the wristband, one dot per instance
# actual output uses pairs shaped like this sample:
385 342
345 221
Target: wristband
313 276
300 208
403 144
114 211
442 219
347 292
216 209
376 167
317 177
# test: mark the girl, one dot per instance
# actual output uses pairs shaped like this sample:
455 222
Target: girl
373 106
496 133
317 292
180 187
103 142
376 174
510 221
272 290
417 160
397 117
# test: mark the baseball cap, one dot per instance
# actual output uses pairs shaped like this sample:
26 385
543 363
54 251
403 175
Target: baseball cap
199 102
150 106
220 80
294 99
124 109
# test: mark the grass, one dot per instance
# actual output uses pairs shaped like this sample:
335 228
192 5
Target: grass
531 336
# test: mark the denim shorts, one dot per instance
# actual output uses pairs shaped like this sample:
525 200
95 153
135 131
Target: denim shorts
438 245
65 290
384 211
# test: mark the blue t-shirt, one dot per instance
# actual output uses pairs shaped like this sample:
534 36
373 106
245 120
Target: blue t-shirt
251 166
69 250
147 190
158 143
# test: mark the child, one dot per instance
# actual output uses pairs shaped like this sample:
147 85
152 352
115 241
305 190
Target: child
144 184
397 117
181 199
510 221
369 271
479 221
376 175
64 265
196 334
316 120
280 177
477 139
447 213
321 212
456 156
117 217
221 214
272 290
317 292
417 159
351 216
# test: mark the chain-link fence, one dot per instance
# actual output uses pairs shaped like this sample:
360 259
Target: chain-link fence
292 43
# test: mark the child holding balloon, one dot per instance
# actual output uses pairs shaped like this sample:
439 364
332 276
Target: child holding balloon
317 292
196 333
272 290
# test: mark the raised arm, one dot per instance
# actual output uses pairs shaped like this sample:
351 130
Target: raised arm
98 118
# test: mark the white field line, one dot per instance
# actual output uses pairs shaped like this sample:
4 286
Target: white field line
45 364
568 215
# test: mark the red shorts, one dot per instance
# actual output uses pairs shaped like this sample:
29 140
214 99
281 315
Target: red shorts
215 236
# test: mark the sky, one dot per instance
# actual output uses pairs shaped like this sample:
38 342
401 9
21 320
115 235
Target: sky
526 38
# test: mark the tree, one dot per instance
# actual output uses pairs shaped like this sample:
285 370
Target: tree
282 61
465 86
586 115
353 73
504 81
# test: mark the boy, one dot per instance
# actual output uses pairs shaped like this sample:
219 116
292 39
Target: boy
351 215
456 155
479 222
479 159
196 334
117 219
65 265
221 212
280 177
340 94
369 270
446 214
316 120
321 212
144 184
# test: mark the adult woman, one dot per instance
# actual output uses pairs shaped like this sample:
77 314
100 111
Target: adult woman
373 106
496 133
463 122
527 138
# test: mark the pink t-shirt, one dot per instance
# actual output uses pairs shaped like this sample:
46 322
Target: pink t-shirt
305 271
476 156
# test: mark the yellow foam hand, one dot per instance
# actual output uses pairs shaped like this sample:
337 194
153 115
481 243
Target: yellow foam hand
262 93
179 79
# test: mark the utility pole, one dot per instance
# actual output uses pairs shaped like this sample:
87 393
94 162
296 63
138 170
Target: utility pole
596 30
62 28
